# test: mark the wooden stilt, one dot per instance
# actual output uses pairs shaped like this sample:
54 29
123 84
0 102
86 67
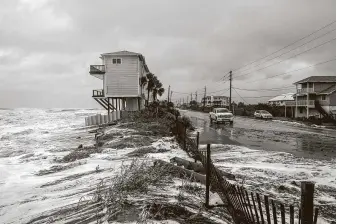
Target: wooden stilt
108 105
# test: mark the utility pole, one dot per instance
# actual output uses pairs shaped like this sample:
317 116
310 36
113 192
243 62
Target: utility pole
230 90
204 98
168 94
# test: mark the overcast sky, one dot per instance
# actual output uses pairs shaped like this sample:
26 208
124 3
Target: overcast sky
46 46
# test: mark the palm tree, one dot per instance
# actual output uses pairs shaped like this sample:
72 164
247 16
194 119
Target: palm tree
143 81
157 89
150 84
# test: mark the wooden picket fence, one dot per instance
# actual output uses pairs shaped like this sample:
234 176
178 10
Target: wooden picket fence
247 207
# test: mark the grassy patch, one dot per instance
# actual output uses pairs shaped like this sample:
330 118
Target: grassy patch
135 141
80 154
58 168
177 212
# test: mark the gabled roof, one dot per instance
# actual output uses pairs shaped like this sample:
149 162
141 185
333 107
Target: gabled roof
283 97
128 53
122 53
329 90
317 79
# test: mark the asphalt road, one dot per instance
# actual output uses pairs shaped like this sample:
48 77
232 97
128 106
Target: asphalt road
300 140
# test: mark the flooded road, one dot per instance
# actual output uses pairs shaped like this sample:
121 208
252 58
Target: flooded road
295 138
274 157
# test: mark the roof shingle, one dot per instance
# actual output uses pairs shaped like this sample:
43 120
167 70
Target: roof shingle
317 79
329 89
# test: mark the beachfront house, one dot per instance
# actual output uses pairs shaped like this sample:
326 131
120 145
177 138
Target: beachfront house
120 73
315 96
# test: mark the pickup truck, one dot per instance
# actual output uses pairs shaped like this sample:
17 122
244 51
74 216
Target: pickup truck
221 115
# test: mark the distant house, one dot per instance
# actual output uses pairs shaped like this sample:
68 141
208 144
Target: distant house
315 96
120 73
282 99
215 101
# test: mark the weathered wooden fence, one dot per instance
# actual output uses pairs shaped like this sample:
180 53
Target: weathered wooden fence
99 119
247 207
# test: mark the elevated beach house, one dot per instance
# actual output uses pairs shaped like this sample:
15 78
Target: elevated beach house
315 96
215 101
120 73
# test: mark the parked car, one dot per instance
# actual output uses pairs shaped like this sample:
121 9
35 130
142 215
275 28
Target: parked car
221 115
263 114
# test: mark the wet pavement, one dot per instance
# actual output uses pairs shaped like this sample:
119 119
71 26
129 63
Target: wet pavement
272 135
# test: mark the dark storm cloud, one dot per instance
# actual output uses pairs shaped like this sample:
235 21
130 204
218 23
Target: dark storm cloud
48 45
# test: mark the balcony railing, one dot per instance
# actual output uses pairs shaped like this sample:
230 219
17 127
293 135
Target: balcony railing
305 90
324 102
305 102
97 69
98 93
310 103
290 103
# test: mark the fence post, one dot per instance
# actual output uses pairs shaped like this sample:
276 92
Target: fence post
307 202
185 136
195 159
208 172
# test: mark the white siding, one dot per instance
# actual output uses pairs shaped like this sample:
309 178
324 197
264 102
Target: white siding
122 79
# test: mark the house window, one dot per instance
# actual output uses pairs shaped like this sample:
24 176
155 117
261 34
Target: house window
323 97
116 61
301 109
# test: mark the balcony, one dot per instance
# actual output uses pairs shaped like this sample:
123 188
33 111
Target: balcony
305 90
301 103
324 103
290 103
97 71
98 93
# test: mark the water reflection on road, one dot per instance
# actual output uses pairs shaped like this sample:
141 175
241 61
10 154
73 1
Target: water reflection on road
300 140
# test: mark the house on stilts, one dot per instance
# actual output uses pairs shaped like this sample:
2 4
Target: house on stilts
120 73
121 91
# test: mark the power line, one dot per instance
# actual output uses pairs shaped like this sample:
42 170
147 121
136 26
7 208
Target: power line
287 45
273 89
288 58
291 50
255 97
240 96
202 93
324 62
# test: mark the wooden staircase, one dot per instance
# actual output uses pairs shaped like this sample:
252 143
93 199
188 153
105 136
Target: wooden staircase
105 103
325 114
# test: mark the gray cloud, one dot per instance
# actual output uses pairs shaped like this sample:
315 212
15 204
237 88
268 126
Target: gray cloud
46 46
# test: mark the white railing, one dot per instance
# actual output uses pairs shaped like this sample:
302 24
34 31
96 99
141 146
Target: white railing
324 102
305 102
290 103
97 69
99 119
305 90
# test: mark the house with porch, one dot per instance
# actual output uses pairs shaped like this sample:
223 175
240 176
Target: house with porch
315 97
120 73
